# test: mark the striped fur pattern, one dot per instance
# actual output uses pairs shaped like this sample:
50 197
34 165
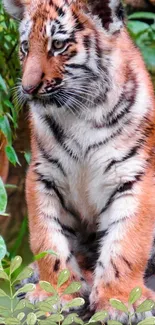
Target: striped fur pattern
90 185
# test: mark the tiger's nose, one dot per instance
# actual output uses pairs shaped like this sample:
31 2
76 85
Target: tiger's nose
29 89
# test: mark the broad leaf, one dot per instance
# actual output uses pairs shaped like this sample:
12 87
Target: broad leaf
5 128
31 319
148 321
15 264
63 277
11 154
70 319
3 275
146 305
12 321
3 204
47 286
21 316
98 317
2 293
26 288
135 294
117 304
76 302
56 318
72 288
43 254
26 273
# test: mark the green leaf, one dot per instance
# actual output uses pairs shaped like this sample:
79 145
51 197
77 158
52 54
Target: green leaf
15 264
72 288
114 322
26 288
3 84
31 319
76 302
26 273
53 300
2 321
137 27
46 322
43 254
3 275
146 305
3 204
20 316
5 128
40 313
135 294
63 277
21 305
27 156
115 303
2 293
47 286
24 303
142 15
44 306
11 154
98 317
56 318
12 321
69 319
148 321
78 320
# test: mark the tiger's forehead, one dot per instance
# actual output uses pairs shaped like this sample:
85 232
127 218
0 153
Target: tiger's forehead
46 18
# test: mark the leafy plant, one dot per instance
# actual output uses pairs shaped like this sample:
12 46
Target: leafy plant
143 33
50 311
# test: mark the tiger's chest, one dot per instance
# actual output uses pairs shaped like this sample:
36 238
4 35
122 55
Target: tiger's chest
87 164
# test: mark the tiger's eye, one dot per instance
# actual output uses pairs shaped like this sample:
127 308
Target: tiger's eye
58 45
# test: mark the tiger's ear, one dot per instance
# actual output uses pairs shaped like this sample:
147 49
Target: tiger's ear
110 12
15 8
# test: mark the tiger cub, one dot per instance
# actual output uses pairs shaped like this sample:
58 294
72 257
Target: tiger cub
90 187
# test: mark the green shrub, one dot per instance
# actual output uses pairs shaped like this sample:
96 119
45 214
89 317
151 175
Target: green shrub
20 312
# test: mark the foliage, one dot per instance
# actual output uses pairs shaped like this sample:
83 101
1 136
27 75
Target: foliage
143 33
50 311
9 66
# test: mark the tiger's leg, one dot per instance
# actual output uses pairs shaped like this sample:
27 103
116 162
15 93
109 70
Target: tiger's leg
47 232
125 245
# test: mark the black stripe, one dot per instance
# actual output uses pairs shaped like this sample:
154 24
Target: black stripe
100 264
70 256
127 262
50 185
78 24
102 143
53 161
56 265
83 67
87 43
122 188
133 151
56 129
120 115
59 135
117 274
68 229
59 10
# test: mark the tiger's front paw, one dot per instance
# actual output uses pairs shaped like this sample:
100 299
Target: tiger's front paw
100 300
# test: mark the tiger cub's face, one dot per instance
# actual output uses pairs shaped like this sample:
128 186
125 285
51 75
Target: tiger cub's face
64 50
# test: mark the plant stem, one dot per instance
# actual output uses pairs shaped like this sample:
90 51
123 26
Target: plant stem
11 296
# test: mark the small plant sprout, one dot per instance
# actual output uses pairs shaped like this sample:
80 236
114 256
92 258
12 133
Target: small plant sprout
51 311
